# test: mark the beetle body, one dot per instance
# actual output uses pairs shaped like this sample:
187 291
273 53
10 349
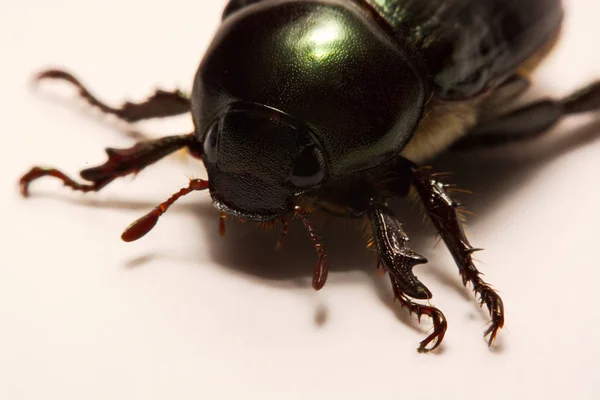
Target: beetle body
333 105
358 77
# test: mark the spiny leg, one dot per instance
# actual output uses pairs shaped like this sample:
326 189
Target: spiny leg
394 252
532 120
322 270
121 162
442 210
440 325
399 259
161 104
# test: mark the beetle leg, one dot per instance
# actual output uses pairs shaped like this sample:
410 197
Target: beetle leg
442 210
392 244
161 104
439 320
321 270
399 259
532 120
121 162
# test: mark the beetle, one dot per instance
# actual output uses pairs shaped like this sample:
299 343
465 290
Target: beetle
336 106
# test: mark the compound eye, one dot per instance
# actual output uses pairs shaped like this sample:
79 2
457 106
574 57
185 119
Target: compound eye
309 168
209 147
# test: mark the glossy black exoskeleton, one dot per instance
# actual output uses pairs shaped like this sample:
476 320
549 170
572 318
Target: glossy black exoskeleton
335 105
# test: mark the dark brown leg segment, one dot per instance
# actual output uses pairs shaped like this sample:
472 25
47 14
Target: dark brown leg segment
121 162
440 325
161 104
145 224
442 210
284 232
532 120
322 270
399 259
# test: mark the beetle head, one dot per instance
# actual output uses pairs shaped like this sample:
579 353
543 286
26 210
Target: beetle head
258 159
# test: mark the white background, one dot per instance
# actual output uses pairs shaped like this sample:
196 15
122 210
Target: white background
185 314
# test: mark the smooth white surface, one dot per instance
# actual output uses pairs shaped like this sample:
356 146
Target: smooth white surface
184 314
